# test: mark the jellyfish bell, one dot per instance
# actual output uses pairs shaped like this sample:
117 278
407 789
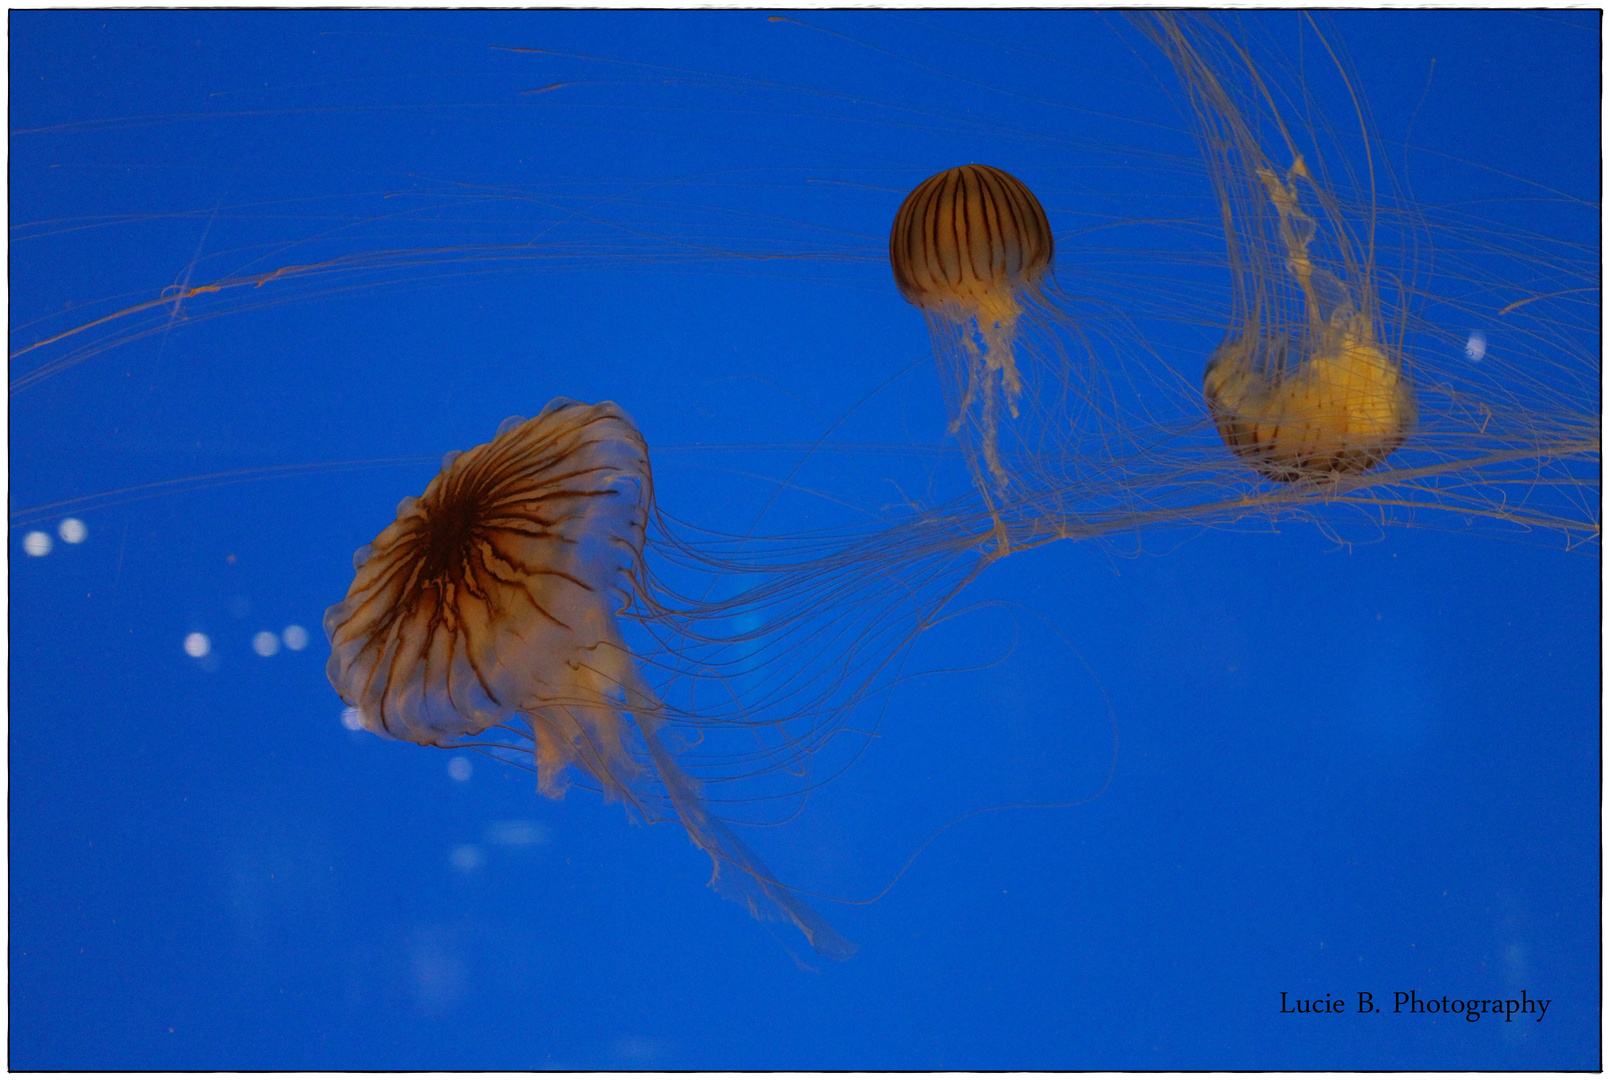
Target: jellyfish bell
491 603
970 240
510 543
1338 411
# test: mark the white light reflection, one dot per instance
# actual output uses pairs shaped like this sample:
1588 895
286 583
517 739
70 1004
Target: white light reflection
459 768
295 638
351 719
72 530
197 645
265 643
36 543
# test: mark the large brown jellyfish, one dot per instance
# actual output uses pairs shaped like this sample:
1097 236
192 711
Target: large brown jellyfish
491 603
970 247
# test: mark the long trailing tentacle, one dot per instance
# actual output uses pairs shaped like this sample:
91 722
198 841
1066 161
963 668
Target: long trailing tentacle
750 883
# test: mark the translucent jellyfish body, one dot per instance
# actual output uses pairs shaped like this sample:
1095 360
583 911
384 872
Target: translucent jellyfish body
490 605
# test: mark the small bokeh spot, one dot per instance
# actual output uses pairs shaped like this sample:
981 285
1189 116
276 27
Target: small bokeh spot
36 543
72 530
197 645
459 768
351 719
467 857
295 638
265 643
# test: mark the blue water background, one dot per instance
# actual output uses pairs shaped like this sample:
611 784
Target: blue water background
1339 768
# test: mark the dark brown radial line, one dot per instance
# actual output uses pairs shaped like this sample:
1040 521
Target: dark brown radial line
1014 260
964 218
524 525
539 571
542 480
447 676
990 218
1020 229
517 468
551 492
549 536
554 523
950 238
525 587
994 227
1009 236
407 590
944 234
391 675
494 473
516 566
470 581
386 579
1035 224
480 678
900 247
918 243
558 445
933 242
587 441
938 274
990 213
381 624
919 253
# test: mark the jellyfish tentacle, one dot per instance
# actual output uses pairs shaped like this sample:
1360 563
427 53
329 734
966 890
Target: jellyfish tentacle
753 885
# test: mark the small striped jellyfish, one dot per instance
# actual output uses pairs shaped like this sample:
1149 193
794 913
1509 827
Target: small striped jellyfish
490 606
971 247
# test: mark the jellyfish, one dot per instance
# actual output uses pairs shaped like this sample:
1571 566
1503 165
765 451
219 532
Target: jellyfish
490 603
970 247
1302 385
1318 399
1028 391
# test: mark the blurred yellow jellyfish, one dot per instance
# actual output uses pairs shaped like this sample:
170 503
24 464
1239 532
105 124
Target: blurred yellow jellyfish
970 247
490 603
